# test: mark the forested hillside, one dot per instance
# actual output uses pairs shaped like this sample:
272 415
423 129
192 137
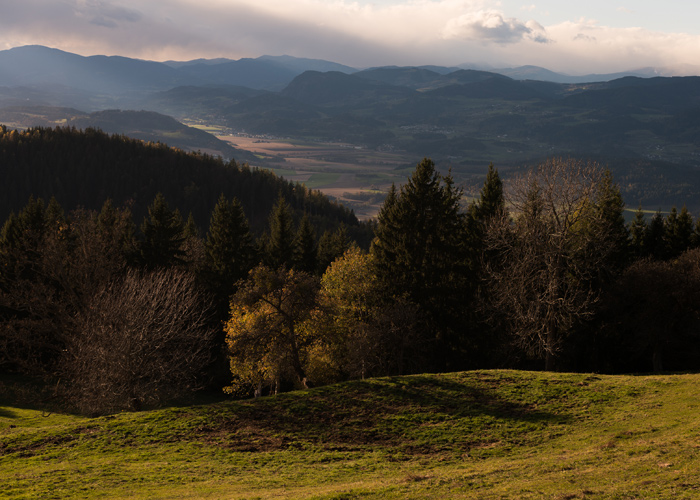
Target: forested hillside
541 271
85 168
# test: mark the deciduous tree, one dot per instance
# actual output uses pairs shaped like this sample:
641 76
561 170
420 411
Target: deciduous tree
552 256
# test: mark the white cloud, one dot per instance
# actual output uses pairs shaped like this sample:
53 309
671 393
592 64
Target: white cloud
492 26
412 32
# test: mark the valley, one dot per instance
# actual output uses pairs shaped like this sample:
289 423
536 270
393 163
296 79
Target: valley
357 177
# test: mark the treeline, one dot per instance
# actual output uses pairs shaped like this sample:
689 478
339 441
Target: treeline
84 168
542 273
127 316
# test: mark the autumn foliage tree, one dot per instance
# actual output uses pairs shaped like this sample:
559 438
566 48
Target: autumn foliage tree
364 333
266 341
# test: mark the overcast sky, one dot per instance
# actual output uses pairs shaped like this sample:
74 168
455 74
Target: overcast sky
573 37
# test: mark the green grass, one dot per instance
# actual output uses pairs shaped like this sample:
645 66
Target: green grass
483 434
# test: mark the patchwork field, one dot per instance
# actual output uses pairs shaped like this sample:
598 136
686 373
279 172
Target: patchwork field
359 178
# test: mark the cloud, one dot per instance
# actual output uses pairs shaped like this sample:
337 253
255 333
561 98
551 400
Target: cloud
354 32
625 10
492 26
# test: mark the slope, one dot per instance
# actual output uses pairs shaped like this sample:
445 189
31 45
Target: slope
483 434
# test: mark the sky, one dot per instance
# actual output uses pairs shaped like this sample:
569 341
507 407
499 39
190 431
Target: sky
582 37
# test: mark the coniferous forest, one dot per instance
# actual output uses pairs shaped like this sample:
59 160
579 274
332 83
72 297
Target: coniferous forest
132 275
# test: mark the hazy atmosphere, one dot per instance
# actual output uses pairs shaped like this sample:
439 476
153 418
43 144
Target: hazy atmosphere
583 37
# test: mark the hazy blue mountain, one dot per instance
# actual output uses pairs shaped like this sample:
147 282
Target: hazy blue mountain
669 94
415 78
192 101
543 74
339 89
301 64
490 88
180 64
38 65
154 127
267 72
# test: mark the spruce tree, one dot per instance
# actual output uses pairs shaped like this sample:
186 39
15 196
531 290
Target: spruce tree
678 232
190 229
610 220
305 256
229 245
280 243
654 241
491 201
637 230
162 235
419 254
331 246
116 226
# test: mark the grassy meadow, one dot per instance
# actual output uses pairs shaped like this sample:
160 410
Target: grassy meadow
482 434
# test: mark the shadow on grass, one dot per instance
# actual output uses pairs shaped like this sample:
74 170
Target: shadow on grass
5 413
418 412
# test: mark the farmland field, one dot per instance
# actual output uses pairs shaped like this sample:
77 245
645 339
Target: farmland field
338 170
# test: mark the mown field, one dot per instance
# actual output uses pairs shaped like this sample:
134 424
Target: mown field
482 434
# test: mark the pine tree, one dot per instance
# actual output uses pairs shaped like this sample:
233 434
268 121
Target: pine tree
678 232
229 245
419 254
654 243
117 227
305 256
695 237
637 230
491 201
280 244
162 235
190 229
331 246
609 210
491 204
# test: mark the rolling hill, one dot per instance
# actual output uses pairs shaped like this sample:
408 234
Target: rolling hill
471 435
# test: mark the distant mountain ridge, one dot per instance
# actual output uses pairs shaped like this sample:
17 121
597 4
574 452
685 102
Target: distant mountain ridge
645 126
36 65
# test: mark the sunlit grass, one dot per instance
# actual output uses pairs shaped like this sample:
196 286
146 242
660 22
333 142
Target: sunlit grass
484 434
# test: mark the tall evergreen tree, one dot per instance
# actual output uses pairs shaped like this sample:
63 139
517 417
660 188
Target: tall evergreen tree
491 201
190 229
678 232
491 204
418 253
117 226
637 230
229 245
654 241
162 235
280 244
610 221
305 256
331 246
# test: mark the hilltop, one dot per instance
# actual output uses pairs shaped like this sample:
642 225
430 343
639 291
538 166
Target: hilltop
482 434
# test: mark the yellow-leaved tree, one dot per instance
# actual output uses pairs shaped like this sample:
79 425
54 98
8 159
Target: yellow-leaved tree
267 345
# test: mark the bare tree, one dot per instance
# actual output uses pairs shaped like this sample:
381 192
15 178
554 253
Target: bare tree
141 340
552 255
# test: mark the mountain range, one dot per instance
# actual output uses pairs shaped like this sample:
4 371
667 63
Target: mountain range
647 128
